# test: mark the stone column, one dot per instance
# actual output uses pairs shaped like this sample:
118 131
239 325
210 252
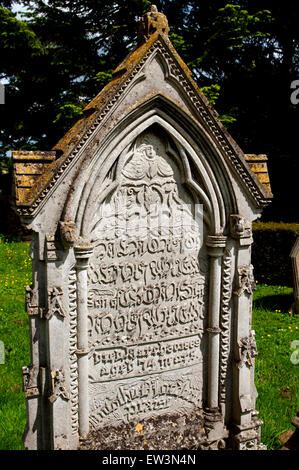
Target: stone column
215 246
82 254
246 428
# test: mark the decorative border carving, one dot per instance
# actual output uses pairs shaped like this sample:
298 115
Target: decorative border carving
72 293
207 115
50 249
225 321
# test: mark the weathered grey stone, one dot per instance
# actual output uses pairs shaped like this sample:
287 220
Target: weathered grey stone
141 259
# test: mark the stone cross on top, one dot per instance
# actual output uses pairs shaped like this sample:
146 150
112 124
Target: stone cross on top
151 22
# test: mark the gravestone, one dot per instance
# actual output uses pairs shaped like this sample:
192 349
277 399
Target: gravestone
140 303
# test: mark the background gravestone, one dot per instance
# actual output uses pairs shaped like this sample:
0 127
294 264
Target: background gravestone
140 306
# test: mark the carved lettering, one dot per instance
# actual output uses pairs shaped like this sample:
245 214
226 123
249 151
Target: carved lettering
146 292
113 364
152 394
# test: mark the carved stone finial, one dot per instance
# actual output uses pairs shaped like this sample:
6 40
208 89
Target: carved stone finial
151 22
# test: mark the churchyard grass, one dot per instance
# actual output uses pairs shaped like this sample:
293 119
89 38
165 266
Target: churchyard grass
277 364
277 376
15 274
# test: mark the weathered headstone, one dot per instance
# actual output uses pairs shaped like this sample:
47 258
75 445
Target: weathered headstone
140 306
290 438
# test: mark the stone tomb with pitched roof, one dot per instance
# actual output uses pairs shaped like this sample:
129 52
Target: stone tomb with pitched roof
140 303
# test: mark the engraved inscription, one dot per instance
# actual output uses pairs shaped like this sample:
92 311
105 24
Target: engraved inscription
146 290
167 393
138 360
142 314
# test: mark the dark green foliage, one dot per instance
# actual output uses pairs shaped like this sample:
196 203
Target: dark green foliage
243 53
56 60
273 242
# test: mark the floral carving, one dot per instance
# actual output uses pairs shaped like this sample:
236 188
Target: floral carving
245 280
247 350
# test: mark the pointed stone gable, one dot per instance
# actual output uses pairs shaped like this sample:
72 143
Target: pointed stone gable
140 303
135 82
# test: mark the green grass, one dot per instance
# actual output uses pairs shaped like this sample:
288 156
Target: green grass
277 378
15 274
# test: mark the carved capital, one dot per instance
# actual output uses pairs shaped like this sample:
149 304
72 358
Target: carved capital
213 331
239 227
245 280
68 232
82 352
216 245
82 254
